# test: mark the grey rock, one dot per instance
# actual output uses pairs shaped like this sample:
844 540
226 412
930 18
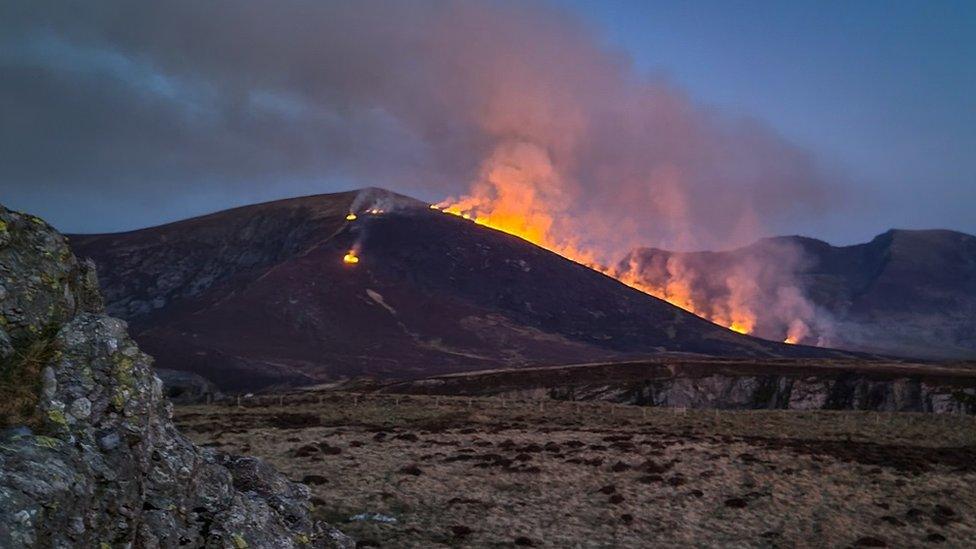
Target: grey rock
186 387
80 408
6 346
747 392
108 467
109 441
49 382
18 431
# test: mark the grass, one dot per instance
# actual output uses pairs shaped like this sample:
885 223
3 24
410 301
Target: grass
835 477
20 381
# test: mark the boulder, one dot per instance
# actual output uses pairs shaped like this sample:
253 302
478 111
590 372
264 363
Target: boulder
100 462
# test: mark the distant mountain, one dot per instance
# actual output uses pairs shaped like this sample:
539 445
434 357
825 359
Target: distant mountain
908 293
261 295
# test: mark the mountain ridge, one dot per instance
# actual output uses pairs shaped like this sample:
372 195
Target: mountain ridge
905 292
258 296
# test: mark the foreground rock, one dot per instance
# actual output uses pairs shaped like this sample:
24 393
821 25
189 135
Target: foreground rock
101 464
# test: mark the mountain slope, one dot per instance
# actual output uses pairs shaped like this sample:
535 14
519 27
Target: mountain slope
260 295
910 293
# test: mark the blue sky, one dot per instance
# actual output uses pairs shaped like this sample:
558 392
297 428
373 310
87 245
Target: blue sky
885 91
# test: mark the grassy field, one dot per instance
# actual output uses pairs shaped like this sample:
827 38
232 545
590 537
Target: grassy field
488 472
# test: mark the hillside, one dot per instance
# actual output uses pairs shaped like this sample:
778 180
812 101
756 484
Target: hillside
908 293
260 295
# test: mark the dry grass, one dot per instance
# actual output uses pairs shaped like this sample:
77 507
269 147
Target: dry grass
20 383
495 472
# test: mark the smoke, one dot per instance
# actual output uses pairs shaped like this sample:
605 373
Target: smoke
516 109
758 289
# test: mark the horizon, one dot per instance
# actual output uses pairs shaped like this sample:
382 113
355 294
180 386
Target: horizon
360 189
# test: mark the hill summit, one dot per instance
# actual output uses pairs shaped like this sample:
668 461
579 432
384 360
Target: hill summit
374 283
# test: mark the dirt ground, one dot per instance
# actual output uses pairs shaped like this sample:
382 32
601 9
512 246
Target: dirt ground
488 472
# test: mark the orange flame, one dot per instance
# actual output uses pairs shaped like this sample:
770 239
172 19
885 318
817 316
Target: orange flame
521 192
797 331
350 258
515 215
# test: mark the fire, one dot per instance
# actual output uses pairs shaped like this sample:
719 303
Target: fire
351 217
515 215
350 258
797 331
740 328
521 191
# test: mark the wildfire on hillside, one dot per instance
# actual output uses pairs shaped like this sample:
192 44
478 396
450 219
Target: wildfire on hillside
517 217
351 257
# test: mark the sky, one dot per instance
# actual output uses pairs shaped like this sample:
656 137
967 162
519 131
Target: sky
885 90
691 121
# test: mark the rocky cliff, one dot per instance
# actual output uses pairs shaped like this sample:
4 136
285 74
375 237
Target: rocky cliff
89 454
730 384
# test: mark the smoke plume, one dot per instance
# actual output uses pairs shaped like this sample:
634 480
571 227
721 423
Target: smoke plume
514 109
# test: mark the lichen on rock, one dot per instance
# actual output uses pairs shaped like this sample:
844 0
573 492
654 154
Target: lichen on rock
102 464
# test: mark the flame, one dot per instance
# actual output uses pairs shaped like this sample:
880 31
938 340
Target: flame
521 191
797 331
351 217
740 327
350 258
516 216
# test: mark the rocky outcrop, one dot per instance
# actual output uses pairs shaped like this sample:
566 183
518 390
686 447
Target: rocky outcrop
100 463
187 387
730 384
787 393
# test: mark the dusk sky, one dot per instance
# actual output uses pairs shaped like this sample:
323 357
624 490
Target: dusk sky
839 119
884 90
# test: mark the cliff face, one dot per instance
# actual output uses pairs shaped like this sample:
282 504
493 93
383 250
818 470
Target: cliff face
850 392
730 384
90 456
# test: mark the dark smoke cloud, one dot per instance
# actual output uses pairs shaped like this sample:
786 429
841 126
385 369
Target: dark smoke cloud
130 99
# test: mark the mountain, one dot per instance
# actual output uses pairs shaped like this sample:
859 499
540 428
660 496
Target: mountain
908 293
260 295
